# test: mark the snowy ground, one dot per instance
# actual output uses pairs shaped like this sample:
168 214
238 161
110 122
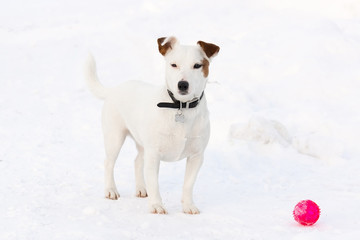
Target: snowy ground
284 109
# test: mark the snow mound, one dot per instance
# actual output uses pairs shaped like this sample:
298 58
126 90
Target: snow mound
319 146
265 131
261 130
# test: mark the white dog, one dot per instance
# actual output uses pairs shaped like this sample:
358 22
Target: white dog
167 123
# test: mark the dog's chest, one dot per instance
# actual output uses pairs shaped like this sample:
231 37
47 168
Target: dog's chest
180 143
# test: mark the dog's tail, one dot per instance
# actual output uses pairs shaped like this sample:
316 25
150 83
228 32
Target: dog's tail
92 79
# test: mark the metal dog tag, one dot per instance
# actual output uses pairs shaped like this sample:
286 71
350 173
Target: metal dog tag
179 117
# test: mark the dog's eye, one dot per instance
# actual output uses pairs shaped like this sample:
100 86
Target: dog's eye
196 66
174 65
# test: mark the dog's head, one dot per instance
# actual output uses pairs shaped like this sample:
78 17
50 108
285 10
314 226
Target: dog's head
187 67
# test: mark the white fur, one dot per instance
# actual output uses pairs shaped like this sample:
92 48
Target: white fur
131 110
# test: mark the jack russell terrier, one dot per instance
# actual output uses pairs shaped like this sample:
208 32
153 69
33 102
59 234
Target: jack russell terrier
167 123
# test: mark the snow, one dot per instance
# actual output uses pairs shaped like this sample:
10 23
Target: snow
284 104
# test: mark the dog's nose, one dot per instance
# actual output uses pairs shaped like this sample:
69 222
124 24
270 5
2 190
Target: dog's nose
183 86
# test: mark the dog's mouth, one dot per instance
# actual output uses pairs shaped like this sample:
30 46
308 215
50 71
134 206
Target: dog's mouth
185 96
183 93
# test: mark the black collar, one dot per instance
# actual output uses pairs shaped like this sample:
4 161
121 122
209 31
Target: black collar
176 103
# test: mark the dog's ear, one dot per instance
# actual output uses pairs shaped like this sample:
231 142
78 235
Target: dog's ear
166 44
211 50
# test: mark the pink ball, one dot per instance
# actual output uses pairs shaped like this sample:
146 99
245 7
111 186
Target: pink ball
306 212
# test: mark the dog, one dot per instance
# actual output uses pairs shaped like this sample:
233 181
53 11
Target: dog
167 123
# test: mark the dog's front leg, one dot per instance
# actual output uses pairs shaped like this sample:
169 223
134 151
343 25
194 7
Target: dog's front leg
193 165
151 167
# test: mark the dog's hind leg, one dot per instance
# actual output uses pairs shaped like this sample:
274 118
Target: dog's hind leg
139 173
113 145
114 137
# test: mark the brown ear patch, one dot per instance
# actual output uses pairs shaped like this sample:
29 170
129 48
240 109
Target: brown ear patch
205 67
163 49
209 48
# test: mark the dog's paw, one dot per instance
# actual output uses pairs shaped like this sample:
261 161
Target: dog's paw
112 194
190 209
141 192
158 209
